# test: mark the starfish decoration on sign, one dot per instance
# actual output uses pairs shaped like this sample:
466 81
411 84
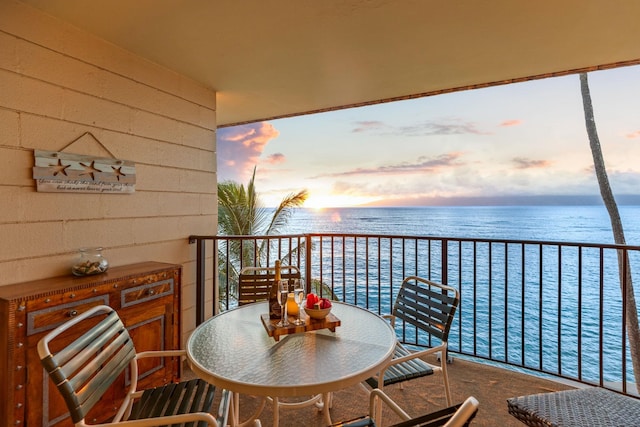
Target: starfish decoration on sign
59 168
90 170
118 172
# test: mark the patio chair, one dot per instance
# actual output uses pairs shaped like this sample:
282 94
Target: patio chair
429 307
254 282
453 416
99 355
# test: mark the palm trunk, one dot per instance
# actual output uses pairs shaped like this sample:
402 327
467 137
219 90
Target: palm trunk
631 312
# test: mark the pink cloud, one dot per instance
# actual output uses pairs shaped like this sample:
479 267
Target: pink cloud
276 158
240 147
513 122
633 135
523 163
421 165
367 125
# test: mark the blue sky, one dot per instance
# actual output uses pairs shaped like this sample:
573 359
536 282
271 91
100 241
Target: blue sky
524 139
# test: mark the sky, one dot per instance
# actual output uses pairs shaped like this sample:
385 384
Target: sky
504 144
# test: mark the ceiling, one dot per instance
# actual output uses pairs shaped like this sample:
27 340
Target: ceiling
277 58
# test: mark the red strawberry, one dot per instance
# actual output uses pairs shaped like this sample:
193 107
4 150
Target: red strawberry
312 299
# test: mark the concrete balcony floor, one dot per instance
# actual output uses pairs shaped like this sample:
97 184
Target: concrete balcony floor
490 385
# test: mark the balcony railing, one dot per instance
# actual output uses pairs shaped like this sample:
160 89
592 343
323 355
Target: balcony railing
551 307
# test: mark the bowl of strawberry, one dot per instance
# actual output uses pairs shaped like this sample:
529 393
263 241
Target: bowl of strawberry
316 307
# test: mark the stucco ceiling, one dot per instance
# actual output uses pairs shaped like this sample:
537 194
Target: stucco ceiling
275 58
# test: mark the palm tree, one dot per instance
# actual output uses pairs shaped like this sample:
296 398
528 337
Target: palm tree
631 312
241 213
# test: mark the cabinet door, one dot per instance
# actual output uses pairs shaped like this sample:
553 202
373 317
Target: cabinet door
148 311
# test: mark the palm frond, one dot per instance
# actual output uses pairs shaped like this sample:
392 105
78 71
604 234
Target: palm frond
285 209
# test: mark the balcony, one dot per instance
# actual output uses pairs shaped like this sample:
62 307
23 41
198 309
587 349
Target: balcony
551 309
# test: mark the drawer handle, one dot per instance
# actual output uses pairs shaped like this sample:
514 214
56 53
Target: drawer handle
73 313
151 292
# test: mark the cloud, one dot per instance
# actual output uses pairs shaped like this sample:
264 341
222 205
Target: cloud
513 122
363 126
240 147
523 163
420 166
427 128
276 158
633 135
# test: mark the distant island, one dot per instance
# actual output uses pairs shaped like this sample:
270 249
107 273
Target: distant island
575 200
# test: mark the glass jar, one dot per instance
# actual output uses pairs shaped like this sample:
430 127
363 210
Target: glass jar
292 305
89 262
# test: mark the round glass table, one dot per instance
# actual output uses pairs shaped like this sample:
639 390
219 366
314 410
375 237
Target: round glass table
233 351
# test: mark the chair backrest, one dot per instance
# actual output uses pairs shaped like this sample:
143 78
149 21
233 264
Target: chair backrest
83 370
427 305
254 282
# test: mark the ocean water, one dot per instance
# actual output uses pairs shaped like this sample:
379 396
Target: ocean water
492 321
582 224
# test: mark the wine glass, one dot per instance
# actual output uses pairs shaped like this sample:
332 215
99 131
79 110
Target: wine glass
298 295
283 294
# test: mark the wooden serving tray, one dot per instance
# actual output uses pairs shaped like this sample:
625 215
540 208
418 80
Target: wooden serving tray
330 322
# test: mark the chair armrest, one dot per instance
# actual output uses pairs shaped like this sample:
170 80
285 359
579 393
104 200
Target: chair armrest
171 419
160 353
391 318
464 413
379 394
418 354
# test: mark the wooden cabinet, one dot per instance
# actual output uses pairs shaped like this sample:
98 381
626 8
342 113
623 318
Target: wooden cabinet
145 295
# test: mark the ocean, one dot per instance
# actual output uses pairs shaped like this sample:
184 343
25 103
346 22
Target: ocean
493 322
582 224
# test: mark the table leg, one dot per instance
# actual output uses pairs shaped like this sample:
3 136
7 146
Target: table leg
234 416
276 412
326 406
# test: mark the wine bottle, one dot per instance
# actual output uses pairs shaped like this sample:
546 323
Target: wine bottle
274 307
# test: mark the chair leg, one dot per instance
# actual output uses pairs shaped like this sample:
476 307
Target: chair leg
445 379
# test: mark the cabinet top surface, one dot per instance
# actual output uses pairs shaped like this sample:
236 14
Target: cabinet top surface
52 284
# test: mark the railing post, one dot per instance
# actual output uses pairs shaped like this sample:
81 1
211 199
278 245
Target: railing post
307 262
444 252
216 279
444 268
200 280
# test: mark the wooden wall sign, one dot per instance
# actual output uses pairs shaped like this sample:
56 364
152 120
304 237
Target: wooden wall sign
58 172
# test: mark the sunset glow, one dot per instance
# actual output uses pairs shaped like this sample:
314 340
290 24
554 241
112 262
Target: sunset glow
518 140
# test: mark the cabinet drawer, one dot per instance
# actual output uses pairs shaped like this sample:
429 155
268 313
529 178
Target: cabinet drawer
146 292
48 318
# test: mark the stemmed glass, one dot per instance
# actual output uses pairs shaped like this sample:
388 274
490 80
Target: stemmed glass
298 295
283 293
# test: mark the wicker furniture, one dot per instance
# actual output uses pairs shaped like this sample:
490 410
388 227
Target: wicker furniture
429 307
576 408
101 352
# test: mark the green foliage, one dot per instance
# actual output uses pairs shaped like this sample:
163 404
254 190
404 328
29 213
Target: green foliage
241 213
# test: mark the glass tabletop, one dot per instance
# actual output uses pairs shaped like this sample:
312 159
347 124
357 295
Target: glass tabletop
232 350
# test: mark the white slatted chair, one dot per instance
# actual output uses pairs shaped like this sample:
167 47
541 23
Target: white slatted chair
429 307
84 370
